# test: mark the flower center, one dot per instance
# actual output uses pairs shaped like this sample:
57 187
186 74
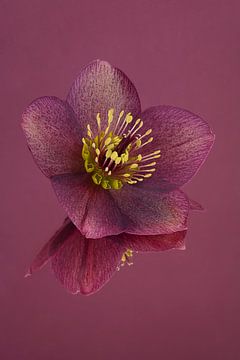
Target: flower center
113 155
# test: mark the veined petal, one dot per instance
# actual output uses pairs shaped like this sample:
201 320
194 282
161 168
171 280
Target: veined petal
52 246
152 212
98 88
91 208
101 260
98 213
184 140
53 136
85 265
144 243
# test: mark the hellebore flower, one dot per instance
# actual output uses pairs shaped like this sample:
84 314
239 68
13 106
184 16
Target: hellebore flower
115 170
85 265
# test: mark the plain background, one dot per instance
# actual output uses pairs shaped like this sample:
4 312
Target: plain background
173 305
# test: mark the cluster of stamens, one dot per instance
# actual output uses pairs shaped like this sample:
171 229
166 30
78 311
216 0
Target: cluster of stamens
113 155
126 259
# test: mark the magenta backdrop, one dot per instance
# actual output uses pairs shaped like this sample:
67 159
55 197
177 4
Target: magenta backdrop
173 305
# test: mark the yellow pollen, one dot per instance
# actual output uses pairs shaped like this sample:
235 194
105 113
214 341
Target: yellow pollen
128 118
131 182
107 141
147 165
118 160
112 154
110 116
134 166
108 154
126 257
89 131
98 121
138 143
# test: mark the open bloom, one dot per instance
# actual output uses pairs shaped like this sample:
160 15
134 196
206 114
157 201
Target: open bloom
114 168
85 265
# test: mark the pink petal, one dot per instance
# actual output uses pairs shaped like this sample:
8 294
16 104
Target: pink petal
85 265
52 246
152 212
143 243
53 136
97 212
184 140
98 88
101 260
91 208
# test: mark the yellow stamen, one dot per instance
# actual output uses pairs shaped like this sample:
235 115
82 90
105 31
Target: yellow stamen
107 141
98 121
114 155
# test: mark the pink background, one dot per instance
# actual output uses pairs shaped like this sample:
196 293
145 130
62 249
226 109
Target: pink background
173 305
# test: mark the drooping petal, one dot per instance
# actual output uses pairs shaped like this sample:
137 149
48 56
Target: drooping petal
101 260
85 265
144 243
52 246
98 88
53 136
91 208
184 140
152 212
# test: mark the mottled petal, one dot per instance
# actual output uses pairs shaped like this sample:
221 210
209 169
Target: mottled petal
98 88
152 212
53 136
85 265
143 243
91 208
184 140
52 246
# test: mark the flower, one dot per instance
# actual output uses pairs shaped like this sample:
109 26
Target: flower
85 265
114 168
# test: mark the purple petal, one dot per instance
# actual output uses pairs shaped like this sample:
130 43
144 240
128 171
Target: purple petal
91 208
152 212
52 246
97 212
85 265
101 260
184 140
53 136
162 242
98 88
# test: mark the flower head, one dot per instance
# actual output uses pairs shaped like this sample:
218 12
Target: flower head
117 171
114 168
